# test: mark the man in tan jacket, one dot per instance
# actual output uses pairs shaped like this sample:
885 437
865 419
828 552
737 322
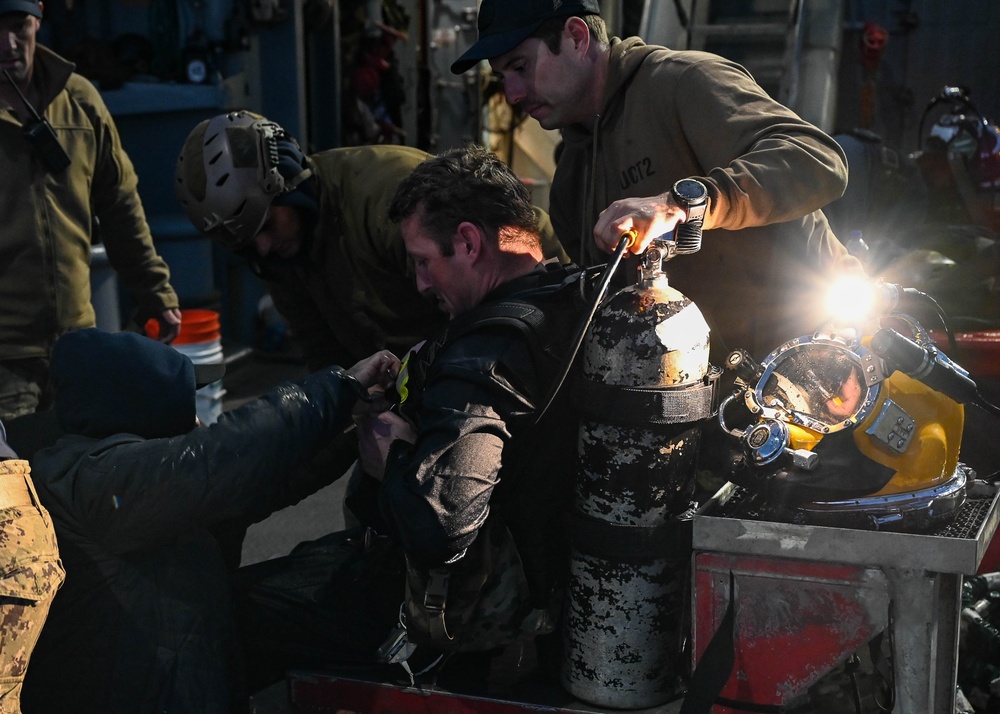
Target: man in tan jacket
67 184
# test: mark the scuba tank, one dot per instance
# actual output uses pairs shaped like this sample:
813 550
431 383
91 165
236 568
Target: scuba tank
645 387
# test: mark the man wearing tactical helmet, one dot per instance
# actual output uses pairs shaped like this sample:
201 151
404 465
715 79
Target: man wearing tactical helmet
314 229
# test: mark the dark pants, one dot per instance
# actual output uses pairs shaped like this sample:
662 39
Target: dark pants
329 604
24 387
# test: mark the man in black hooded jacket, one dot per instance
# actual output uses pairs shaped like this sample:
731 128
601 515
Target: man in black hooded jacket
136 492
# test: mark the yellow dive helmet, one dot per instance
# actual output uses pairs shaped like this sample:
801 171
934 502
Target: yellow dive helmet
834 430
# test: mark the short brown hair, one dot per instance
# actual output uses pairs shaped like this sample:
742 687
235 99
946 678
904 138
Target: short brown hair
467 184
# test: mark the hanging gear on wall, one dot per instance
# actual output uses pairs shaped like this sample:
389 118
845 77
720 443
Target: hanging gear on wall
959 157
874 39
268 12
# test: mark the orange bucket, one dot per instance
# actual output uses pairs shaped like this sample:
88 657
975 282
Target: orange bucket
196 326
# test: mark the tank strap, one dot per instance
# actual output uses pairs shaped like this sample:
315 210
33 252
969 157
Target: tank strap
715 668
637 406
716 664
631 544
509 313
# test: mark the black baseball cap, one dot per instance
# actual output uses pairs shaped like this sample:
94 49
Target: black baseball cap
31 7
504 24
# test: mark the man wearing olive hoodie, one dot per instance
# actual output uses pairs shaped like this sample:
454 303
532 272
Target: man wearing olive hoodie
638 118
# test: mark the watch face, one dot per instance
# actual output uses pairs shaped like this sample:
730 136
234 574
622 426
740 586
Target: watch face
690 190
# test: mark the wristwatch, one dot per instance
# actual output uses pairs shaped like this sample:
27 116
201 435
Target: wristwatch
691 195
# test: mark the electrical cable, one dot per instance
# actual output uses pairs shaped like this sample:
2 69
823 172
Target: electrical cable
852 666
893 294
943 317
624 242
987 406
957 98
889 682
976 398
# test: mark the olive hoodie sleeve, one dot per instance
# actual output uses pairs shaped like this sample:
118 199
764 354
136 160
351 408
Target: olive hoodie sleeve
669 115
764 164
310 324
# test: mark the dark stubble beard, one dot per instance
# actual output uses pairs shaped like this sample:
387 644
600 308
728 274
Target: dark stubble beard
19 74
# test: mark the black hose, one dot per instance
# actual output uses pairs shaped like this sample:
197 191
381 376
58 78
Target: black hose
943 317
626 240
985 405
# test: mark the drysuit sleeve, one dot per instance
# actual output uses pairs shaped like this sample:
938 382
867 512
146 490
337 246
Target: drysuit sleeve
436 492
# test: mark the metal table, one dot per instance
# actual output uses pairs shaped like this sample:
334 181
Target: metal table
807 597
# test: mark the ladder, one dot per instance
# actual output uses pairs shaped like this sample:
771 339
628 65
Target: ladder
791 47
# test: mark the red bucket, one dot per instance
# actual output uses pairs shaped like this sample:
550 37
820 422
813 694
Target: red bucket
196 326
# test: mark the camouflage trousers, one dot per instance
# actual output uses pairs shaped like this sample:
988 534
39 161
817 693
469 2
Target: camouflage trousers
30 575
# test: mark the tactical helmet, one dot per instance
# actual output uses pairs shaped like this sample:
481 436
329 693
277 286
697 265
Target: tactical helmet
230 170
